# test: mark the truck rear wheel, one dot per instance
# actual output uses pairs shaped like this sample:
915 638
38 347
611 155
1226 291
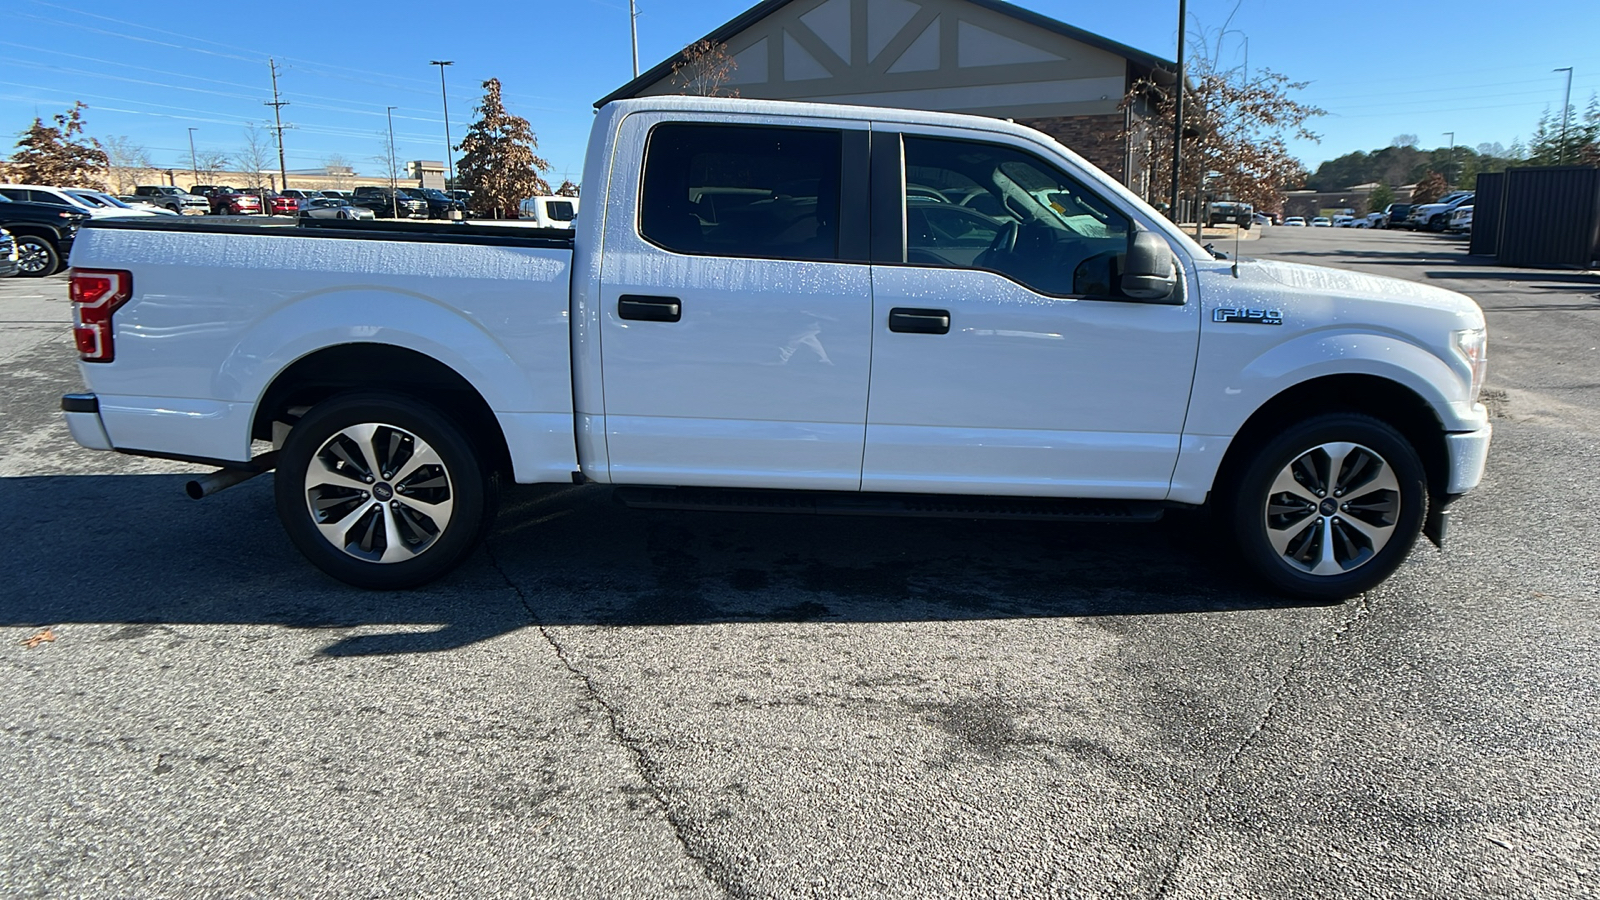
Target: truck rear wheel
381 490
1330 507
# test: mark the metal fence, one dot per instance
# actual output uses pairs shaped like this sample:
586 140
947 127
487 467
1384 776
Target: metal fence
1549 217
1487 209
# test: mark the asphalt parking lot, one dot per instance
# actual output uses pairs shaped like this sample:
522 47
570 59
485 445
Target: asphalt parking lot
616 703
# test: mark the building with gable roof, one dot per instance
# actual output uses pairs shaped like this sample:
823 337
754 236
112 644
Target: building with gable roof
983 57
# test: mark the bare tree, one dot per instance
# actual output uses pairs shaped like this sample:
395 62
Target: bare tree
208 164
338 169
256 156
130 164
703 69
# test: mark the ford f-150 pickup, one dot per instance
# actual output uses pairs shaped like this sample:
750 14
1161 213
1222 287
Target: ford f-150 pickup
782 306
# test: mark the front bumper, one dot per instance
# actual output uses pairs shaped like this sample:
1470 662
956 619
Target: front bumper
82 412
1468 453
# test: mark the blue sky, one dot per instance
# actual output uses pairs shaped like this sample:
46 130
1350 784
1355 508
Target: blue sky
154 69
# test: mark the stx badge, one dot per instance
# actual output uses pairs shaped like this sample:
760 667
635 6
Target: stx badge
1248 316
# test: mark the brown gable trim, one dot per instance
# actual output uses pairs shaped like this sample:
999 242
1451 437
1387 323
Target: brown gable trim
765 8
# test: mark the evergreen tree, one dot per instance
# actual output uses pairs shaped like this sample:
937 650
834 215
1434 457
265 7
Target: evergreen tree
60 156
1380 198
497 163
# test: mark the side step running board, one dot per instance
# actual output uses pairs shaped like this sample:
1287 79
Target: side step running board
855 504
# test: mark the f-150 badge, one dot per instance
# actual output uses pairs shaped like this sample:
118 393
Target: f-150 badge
1248 316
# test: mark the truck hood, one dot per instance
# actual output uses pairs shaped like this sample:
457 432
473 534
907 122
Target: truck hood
1358 287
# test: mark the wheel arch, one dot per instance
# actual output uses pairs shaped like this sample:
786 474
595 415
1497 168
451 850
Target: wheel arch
1384 399
355 366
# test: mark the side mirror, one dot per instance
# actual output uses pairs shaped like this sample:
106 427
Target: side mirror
1149 273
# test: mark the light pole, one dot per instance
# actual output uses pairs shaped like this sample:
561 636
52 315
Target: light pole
1451 165
449 161
1566 105
633 23
394 194
1177 118
194 167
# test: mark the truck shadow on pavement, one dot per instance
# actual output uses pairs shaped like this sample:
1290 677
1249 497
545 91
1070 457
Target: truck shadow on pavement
132 550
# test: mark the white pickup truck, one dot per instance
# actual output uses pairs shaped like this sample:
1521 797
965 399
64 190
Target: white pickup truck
786 306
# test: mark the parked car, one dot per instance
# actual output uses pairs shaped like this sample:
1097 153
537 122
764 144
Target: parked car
463 196
1228 212
1260 219
8 255
115 206
1436 216
1295 222
174 198
1321 222
274 203
1373 220
389 204
44 233
440 204
333 208
400 372
64 197
334 192
230 201
1343 221
1460 219
301 195
549 212
1394 215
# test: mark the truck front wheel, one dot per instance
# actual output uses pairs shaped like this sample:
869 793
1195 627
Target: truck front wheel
1330 507
381 490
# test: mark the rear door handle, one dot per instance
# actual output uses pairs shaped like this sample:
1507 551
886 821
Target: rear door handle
919 321
644 308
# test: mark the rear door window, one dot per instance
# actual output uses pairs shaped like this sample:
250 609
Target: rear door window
743 190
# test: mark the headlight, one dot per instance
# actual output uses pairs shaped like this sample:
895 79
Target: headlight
1473 345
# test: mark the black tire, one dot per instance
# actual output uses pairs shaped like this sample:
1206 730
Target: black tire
1436 224
36 256
433 524
1322 520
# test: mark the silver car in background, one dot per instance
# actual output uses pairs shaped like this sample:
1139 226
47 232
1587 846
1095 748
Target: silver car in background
333 208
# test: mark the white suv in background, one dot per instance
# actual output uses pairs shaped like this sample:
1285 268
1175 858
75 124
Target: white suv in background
34 193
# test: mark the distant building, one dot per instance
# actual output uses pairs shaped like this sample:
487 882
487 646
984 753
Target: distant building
428 173
983 57
1354 198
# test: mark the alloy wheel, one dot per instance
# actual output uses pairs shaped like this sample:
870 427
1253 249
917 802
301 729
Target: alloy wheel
1332 509
32 258
379 493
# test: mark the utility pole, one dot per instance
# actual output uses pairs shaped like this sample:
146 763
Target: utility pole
1451 166
394 193
1566 106
449 160
194 167
1177 121
633 22
277 115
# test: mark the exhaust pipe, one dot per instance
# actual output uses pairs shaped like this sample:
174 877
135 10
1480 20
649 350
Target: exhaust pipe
206 485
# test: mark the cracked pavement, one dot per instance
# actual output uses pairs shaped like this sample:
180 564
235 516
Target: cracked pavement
614 703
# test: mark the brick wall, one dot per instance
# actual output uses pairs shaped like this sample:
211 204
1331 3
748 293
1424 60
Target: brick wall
1095 138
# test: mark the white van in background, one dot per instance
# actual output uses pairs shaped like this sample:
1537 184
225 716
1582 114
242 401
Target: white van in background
549 212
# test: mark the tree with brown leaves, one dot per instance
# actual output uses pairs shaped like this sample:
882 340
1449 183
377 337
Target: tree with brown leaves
60 155
1235 127
1430 188
567 189
497 163
703 69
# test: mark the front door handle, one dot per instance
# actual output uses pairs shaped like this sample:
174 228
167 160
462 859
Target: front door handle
645 308
919 321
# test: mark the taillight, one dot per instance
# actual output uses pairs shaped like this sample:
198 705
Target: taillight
96 294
